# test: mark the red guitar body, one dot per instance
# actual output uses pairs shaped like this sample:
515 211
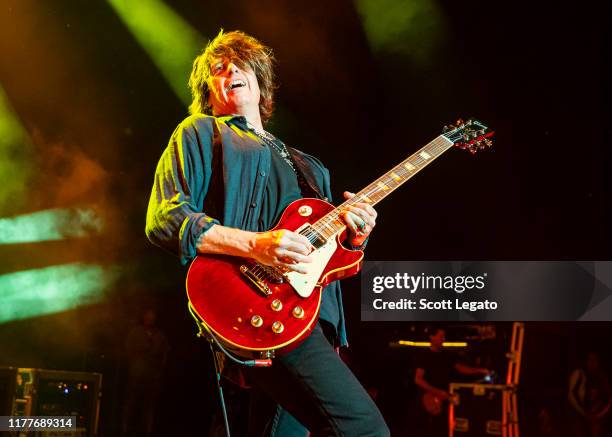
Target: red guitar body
245 319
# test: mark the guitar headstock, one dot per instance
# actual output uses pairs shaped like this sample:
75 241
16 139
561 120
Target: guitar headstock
471 135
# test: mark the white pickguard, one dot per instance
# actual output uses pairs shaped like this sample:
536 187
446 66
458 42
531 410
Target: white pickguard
304 284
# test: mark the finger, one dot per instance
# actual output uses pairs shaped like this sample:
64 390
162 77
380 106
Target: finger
362 218
300 239
293 256
300 268
285 238
348 194
352 221
369 210
295 246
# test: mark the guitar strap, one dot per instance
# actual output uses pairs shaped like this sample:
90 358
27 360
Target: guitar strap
214 197
306 179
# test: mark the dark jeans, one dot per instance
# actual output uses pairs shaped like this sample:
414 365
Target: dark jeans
316 391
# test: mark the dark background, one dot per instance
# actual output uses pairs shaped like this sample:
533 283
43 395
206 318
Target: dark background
535 72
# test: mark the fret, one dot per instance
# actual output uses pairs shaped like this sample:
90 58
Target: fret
382 185
330 224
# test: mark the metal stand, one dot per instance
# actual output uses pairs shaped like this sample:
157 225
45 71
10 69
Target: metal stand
204 332
220 388
515 356
509 416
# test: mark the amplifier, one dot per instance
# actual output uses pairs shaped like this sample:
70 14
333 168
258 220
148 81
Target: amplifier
41 392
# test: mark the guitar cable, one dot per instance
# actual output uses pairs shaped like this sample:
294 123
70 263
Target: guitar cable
204 331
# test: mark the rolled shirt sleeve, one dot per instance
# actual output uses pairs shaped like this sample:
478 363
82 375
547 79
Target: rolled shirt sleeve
175 216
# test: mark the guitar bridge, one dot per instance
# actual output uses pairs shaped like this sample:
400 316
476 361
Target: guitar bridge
257 274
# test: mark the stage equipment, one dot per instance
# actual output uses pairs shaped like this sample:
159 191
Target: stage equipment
482 410
41 392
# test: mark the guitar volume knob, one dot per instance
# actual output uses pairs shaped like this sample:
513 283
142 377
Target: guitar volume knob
276 305
298 312
256 321
277 327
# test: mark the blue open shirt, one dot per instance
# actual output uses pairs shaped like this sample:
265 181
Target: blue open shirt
188 198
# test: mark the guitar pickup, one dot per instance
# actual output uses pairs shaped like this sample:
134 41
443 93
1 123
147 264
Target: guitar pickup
259 284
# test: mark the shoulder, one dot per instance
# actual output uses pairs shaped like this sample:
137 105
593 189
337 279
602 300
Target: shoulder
319 170
576 374
313 161
196 124
422 358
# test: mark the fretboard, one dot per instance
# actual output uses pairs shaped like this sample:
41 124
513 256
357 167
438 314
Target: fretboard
330 224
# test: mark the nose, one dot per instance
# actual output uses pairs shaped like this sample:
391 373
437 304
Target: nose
232 68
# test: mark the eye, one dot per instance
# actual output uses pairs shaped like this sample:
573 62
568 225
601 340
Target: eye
218 67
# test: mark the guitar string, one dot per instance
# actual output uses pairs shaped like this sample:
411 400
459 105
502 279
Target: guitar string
436 147
315 231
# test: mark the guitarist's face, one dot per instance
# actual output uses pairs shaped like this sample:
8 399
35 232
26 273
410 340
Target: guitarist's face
437 339
233 90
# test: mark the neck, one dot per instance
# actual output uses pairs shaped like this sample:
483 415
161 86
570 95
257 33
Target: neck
252 115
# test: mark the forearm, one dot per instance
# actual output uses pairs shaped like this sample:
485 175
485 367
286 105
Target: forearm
427 386
226 241
469 370
575 404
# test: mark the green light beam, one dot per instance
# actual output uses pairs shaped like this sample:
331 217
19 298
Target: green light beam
413 28
49 225
51 290
169 40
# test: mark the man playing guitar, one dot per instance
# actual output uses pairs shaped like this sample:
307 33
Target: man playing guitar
220 185
434 369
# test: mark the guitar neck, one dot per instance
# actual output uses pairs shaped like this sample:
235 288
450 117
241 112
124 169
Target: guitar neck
330 224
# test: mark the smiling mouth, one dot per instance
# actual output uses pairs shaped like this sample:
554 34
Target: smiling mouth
237 83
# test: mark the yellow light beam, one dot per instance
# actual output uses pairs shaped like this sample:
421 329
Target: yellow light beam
15 159
428 344
170 41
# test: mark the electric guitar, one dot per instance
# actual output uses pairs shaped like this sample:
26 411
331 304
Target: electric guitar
256 310
433 404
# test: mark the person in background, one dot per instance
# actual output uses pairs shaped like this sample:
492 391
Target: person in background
434 369
589 398
147 348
